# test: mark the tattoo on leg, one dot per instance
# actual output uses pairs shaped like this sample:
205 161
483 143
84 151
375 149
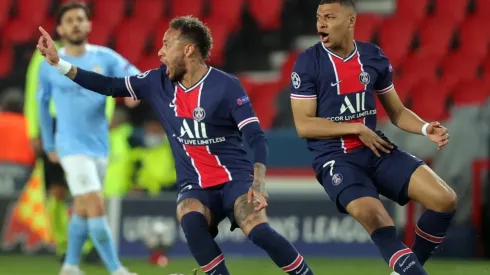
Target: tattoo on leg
245 215
189 205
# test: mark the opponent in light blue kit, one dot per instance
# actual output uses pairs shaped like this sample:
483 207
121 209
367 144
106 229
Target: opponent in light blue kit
81 140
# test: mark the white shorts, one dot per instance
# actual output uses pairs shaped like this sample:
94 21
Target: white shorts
84 174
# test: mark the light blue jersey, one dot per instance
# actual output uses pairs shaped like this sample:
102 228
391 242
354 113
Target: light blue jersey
81 124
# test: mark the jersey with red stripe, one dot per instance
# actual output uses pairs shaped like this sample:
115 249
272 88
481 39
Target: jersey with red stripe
203 123
344 88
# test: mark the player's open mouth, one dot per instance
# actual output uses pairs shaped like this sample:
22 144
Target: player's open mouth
323 36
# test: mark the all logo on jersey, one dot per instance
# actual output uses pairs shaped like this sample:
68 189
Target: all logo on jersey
295 80
353 107
196 134
360 104
337 179
199 114
364 78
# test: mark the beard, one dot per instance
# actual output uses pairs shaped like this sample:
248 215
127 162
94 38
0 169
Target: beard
77 41
179 71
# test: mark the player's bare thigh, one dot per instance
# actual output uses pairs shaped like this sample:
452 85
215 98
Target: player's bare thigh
427 188
370 213
193 205
245 215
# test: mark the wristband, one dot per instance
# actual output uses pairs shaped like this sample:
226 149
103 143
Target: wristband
63 66
424 129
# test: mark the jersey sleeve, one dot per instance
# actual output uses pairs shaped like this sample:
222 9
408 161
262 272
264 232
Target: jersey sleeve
130 86
384 83
247 122
45 119
303 78
241 108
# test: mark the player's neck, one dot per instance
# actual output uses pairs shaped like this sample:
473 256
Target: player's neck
345 50
195 73
75 50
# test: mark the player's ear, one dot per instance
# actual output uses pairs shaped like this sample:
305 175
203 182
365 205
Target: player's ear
89 26
189 50
352 21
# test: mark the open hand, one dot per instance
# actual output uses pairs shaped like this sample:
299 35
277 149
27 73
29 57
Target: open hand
47 47
258 195
373 141
438 134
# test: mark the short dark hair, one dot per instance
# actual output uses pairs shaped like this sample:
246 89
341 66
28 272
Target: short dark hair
195 30
346 3
70 6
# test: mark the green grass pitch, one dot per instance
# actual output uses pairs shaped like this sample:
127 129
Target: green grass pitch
45 265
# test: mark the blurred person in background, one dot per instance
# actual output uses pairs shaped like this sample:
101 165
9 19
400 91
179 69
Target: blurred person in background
151 164
14 146
54 177
117 179
81 141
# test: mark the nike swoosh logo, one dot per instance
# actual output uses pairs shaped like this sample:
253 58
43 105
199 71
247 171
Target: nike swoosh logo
403 262
188 187
171 105
335 84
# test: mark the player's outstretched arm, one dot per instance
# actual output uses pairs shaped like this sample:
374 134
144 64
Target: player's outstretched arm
408 121
308 125
109 86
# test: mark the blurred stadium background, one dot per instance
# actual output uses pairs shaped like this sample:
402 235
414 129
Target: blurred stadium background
440 52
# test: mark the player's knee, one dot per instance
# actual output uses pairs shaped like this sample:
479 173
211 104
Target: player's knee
191 205
245 215
370 213
444 202
93 204
78 207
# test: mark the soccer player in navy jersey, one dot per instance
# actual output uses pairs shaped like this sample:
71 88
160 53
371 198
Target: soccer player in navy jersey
204 112
333 89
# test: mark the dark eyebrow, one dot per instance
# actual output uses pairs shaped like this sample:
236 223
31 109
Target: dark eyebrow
325 15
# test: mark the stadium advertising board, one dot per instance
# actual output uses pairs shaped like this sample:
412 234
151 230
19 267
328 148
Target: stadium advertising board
312 223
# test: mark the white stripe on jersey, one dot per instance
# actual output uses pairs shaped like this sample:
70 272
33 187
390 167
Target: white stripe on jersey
247 121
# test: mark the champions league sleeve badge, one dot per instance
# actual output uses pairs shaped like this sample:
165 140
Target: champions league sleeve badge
242 100
296 80
199 114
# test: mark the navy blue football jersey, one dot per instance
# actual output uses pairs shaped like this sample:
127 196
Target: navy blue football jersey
344 88
202 122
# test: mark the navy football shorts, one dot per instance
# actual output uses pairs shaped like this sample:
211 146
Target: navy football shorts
219 199
361 173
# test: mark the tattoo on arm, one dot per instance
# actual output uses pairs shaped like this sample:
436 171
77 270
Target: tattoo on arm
259 170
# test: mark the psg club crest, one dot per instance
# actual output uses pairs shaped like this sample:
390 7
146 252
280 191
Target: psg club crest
337 179
364 78
199 114
295 80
